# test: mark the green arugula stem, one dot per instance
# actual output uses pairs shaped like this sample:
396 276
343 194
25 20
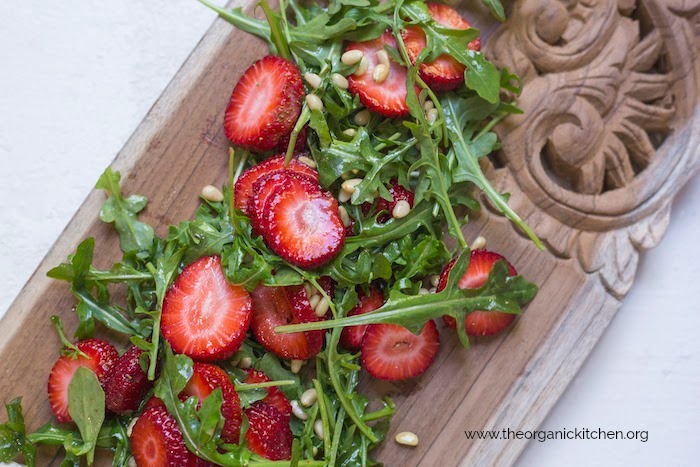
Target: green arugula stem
303 119
323 411
155 336
489 126
266 384
58 324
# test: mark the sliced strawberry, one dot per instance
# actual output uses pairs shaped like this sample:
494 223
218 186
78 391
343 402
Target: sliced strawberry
128 384
156 441
243 189
204 380
392 352
102 356
263 188
269 434
351 336
444 73
479 323
205 317
389 97
275 397
398 193
300 144
153 401
265 104
301 223
277 306
327 284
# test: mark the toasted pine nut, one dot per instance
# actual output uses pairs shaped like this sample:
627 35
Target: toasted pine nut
423 291
428 104
308 161
433 290
318 429
383 57
212 193
322 307
309 397
313 301
344 196
344 216
314 451
478 243
132 461
362 117
295 365
313 79
130 428
401 209
339 80
314 102
350 132
362 67
431 115
245 363
407 438
351 57
298 411
434 280
380 73
349 185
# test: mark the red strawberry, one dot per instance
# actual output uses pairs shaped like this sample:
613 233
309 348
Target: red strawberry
301 223
243 189
327 285
263 188
392 352
156 441
351 336
128 384
205 317
268 432
102 357
398 193
153 401
277 306
301 140
444 73
265 104
389 97
275 397
479 323
204 380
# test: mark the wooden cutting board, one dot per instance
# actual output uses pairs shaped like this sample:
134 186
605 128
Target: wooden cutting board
611 132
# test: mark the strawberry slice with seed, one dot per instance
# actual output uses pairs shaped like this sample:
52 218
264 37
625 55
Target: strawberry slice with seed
398 193
243 189
444 73
387 98
156 441
392 352
101 358
275 397
263 188
265 104
269 434
207 377
301 223
351 336
479 323
205 317
128 384
278 306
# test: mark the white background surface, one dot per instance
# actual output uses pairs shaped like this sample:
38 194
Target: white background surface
77 78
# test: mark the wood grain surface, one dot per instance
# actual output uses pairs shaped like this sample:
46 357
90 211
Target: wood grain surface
610 134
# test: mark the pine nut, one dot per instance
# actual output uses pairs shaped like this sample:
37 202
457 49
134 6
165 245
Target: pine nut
313 301
314 102
212 193
309 397
434 280
314 451
431 115
340 81
407 438
313 79
428 104
362 117
478 243
383 57
423 291
344 216
351 57
130 428
322 307
298 411
295 365
350 132
401 209
318 429
349 185
380 73
362 67
245 363
308 161
132 461
344 196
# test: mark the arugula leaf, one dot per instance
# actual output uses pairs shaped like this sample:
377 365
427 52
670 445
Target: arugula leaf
13 436
496 9
86 406
133 234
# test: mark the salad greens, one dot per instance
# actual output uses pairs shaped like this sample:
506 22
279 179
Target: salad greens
439 160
